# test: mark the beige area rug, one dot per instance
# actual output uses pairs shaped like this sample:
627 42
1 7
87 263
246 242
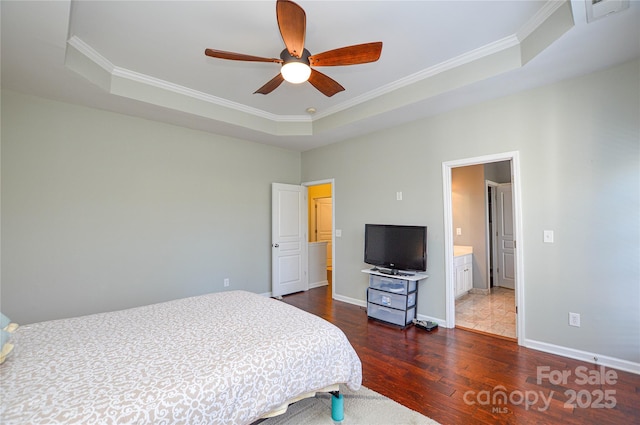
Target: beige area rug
362 407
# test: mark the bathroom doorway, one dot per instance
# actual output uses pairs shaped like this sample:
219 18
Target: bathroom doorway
482 222
483 248
320 198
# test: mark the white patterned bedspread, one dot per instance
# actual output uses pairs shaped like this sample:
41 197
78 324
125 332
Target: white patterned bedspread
223 358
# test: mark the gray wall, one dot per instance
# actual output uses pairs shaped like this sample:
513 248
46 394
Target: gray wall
498 172
579 154
102 211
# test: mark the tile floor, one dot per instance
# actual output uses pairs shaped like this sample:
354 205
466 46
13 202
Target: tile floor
494 313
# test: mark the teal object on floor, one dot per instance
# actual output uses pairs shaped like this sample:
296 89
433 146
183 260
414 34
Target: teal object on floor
337 408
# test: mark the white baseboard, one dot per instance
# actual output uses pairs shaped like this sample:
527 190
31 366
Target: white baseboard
311 286
318 284
350 300
480 291
572 353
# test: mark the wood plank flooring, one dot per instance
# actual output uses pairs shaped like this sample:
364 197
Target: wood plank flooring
459 377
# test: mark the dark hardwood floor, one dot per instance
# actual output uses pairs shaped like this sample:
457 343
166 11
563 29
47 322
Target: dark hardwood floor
458 377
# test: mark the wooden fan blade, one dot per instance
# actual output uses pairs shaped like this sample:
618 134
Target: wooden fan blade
350 55
324 84
221 54
271 85
292 22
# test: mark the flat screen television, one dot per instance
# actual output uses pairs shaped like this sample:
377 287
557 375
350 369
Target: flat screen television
396 247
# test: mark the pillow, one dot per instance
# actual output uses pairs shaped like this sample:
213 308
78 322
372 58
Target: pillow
6 346
5 323
4 337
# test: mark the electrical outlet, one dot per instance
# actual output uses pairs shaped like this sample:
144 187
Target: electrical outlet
226 282
458 231
574 319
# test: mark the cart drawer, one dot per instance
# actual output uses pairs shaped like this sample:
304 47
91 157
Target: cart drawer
389 299
397 286
391 315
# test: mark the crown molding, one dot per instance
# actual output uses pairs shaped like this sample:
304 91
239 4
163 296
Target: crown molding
463 59
545 12
137 77
145 88
91 54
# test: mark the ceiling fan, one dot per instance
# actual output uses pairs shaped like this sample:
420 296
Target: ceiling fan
296 61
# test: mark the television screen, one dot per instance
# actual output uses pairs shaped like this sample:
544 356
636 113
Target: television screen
396 247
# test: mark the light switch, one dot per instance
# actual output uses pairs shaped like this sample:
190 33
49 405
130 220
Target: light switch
548 236
338 233
399 196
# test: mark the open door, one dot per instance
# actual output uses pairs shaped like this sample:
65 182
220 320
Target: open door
506 275
289 239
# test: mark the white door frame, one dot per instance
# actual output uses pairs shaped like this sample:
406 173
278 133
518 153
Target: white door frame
518 233
333 228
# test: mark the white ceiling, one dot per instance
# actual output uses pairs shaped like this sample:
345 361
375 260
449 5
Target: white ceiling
146 58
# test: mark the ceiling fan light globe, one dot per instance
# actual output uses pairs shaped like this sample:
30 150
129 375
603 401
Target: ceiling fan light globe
295 72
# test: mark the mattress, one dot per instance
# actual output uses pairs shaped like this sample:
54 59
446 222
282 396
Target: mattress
223 358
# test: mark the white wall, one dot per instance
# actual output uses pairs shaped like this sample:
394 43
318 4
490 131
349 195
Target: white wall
102 211
579 144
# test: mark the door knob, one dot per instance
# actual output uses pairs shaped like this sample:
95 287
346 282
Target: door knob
275 245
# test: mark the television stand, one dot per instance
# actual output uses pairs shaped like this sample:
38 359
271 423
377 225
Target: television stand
391 272
393 298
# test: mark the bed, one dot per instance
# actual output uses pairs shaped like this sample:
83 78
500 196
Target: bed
224 358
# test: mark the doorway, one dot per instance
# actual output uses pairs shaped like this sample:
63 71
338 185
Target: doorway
471 232
321 243
291 259
483 248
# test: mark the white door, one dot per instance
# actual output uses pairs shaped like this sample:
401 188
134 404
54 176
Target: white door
506 248
289 239
324 226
